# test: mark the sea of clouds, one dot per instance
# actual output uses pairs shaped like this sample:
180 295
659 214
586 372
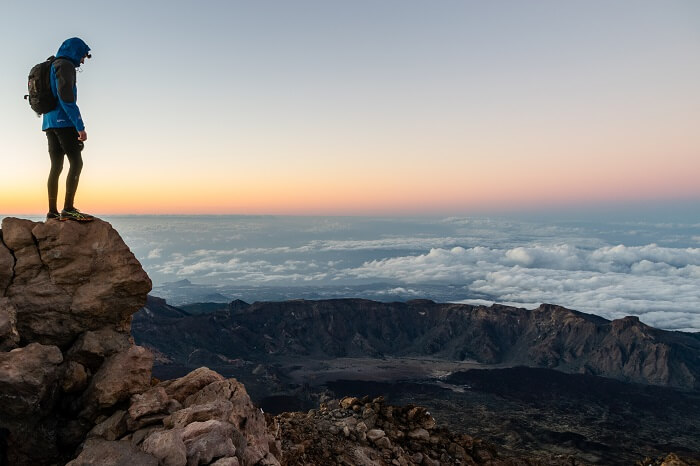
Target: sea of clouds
607 267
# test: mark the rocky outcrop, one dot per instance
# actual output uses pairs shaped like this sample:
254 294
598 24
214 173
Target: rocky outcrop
369 432
68 278
549 336
73 386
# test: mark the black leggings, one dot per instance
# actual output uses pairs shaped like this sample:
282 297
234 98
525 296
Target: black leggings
64 141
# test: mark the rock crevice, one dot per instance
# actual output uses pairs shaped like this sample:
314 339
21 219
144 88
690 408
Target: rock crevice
7 257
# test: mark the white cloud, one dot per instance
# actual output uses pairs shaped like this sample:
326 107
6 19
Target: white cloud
650 281
155 253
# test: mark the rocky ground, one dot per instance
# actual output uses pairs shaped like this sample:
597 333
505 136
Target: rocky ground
368 431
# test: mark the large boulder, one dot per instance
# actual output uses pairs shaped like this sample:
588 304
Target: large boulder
69 278
67 293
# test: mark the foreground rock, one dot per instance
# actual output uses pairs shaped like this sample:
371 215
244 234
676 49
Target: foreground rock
73 386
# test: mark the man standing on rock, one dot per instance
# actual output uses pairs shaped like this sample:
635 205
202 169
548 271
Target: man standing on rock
65 129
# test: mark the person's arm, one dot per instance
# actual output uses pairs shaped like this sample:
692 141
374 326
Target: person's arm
65 85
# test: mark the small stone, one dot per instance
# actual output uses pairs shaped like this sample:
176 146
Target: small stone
348 402
383 443
421 435
375 434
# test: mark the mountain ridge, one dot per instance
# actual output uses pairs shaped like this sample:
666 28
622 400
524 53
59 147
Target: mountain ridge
548 336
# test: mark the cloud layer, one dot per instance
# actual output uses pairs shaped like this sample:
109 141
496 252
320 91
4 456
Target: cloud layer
661 285
610 268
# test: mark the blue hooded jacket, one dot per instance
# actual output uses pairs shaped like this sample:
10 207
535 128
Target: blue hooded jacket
63 86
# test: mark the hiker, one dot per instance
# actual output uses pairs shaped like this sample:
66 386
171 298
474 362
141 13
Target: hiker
64 128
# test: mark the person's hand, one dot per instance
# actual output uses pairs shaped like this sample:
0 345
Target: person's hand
82 136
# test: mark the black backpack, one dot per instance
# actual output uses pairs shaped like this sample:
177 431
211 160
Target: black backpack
40 97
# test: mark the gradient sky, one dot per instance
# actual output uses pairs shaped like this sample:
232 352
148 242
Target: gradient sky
362 107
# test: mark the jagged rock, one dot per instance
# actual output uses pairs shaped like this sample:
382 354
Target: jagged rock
28 380
9 338
70 277
92 347
208 440
121 376
112 428
75 378
219 410
167 446
153 401
191 383
109 453
375 434
247 419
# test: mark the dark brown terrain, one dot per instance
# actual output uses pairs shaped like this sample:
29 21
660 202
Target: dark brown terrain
548 381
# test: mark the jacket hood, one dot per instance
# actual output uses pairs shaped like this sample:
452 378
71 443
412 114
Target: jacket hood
73 49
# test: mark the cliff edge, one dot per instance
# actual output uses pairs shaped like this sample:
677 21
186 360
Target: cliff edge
73 386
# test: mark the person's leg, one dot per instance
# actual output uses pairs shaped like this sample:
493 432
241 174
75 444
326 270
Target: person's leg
72 147
56 153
